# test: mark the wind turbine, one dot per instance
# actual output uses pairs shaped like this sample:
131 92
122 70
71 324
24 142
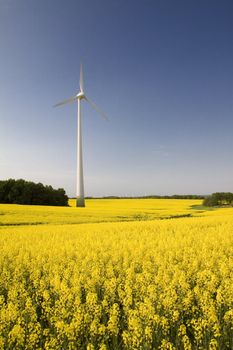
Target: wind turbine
80 199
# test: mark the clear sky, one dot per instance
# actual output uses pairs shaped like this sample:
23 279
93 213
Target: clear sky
161 69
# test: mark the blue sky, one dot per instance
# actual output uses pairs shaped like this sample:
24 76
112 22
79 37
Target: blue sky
161 69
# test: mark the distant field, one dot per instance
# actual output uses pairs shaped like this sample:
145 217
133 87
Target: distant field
119 274
102 210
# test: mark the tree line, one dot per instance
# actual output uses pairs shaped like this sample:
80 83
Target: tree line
174 196
27 192
219 199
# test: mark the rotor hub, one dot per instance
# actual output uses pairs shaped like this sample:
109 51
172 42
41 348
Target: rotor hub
80 95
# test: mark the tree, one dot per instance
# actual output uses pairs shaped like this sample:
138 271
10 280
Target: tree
219 199
27 192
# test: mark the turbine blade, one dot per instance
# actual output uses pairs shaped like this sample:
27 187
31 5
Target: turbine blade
69 100
96 108
81 78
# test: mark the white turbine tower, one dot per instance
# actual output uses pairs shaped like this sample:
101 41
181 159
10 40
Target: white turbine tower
80 199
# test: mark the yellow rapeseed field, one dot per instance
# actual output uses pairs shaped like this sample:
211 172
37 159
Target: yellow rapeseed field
118 274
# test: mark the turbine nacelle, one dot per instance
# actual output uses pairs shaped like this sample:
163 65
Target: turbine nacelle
80 95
